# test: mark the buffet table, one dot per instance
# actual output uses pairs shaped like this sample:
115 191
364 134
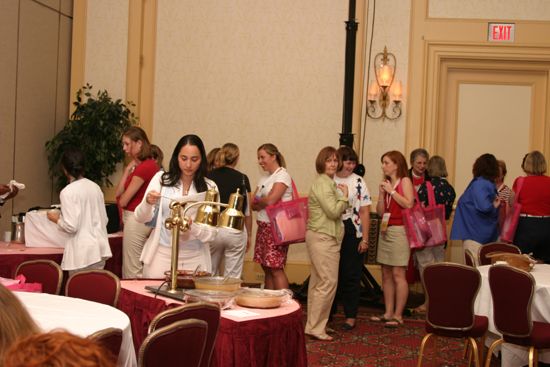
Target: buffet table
80 317
513 355
13 254
246 337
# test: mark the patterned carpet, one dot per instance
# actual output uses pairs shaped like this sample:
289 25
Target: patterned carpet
371 344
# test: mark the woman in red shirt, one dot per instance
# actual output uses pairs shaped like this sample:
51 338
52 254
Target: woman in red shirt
533 193
129 193
395 194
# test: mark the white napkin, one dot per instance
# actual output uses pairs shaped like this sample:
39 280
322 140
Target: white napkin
13 183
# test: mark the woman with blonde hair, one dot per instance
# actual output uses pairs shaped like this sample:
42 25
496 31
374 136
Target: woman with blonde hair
396 192
15 321
327 202
533 231
230 245
129 193
277 185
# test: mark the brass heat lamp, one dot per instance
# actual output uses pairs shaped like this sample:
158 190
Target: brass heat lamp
208 214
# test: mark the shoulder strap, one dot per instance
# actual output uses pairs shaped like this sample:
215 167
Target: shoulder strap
294 191
431 193
520 185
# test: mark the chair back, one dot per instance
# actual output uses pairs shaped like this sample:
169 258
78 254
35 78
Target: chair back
100 286
512 291
181 343
110 339
451 290
494 247
46 272
469 258
200 310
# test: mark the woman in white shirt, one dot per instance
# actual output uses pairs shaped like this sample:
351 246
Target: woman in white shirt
186 175
272 188
83 217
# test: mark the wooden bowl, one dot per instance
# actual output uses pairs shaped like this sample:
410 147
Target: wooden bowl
261 298
518 261
186 280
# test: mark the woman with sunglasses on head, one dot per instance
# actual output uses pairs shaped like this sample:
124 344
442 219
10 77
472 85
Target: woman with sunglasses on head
129 193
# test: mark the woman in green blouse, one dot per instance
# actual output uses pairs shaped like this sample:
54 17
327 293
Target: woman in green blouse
327 203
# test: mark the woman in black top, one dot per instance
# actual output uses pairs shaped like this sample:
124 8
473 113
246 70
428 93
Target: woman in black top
230 245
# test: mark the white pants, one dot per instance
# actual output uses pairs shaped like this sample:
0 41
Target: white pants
134 237
428 256
191 254
229 246
98 265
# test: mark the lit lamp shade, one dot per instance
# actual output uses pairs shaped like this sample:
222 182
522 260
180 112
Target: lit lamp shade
397 90
385 75
373 91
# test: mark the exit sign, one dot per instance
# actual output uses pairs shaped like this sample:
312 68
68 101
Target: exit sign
501 32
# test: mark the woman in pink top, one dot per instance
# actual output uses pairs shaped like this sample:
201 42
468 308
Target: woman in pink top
395 194
129 193
533 193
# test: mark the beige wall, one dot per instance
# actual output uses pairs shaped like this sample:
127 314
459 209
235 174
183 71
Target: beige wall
34 100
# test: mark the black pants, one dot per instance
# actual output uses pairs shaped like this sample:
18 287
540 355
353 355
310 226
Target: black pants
533 236
349 272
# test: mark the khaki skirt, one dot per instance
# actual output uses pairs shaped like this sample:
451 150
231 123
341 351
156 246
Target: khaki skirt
393 247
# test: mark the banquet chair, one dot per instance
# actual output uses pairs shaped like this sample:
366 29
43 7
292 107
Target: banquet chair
200 310
451 290
100 286
512 292
469 258
495 247
181 343
46 272
110 339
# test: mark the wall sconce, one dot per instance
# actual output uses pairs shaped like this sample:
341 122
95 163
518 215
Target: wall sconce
379 89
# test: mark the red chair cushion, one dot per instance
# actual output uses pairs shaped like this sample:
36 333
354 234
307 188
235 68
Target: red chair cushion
481 323
539 338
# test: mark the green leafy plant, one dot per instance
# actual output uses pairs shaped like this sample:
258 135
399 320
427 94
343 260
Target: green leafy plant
96 127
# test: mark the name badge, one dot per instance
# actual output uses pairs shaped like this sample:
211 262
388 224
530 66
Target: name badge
384 223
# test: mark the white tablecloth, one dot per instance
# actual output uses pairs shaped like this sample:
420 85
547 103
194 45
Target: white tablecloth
41 232
514 356
80 317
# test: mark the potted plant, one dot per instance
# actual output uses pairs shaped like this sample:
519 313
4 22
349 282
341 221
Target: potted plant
96 127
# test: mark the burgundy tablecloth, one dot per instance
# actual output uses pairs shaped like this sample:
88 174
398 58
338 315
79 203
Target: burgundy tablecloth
14 254
274 341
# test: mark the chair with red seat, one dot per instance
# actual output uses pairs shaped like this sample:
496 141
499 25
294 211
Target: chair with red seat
46 272
200 310
100 286
512 292
110 339
495 247
451 290
181 343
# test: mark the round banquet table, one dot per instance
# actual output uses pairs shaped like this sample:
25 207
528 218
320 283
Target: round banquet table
80 317
512 355
246 336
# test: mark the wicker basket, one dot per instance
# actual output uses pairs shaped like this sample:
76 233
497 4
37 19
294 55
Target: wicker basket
518 261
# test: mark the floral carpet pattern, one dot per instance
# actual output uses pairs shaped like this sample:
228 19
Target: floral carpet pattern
372 344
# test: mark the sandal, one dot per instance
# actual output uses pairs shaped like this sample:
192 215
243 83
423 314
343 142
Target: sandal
420 310
325 338
380 318
393 323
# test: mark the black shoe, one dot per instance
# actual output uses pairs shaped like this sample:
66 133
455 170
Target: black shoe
347 327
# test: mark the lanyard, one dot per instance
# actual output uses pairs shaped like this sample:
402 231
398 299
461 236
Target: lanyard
389 197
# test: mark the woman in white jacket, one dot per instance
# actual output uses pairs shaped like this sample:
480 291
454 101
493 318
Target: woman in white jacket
185 176
83 217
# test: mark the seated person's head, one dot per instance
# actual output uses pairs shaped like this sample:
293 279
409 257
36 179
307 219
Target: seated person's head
15 320
57 349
